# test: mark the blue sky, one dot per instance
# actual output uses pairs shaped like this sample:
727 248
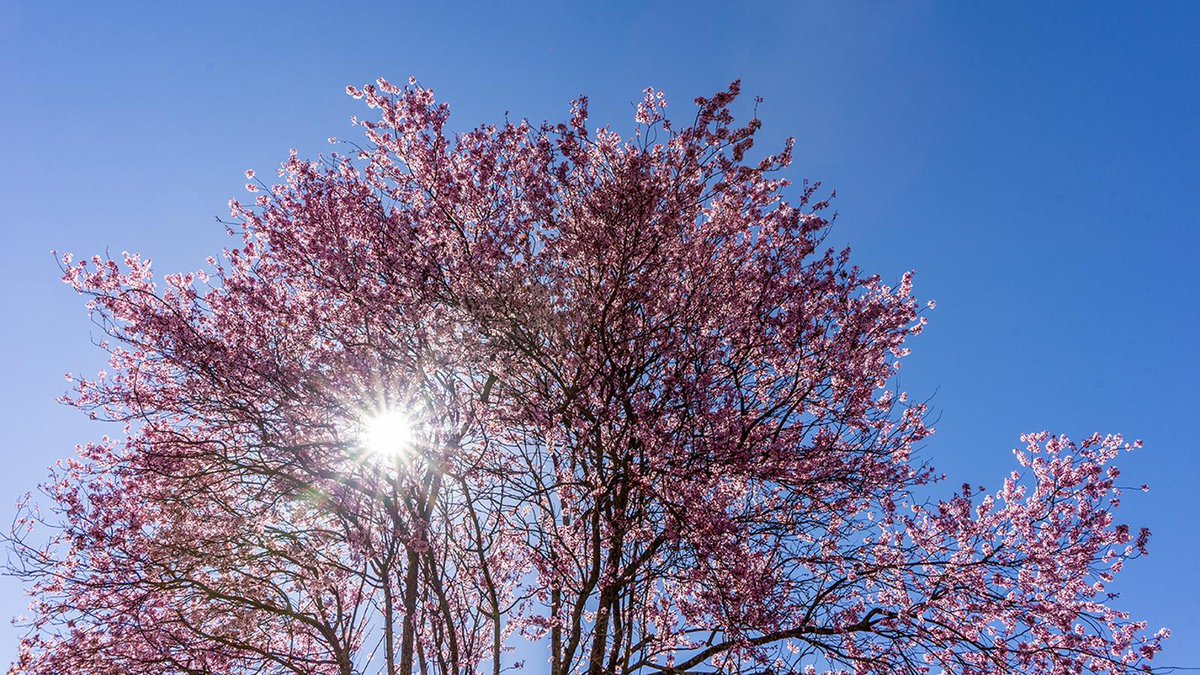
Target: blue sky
1036 164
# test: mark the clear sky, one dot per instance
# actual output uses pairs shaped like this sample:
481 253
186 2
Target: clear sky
1037 165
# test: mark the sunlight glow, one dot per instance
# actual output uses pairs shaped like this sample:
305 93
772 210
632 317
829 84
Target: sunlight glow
388 433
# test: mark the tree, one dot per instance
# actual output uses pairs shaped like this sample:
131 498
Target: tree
543 383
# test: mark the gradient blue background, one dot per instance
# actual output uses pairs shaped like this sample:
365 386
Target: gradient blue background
1037 165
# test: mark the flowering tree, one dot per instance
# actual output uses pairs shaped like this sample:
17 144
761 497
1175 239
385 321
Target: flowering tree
605 395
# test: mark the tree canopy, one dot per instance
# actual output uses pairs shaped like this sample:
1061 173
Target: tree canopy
608 396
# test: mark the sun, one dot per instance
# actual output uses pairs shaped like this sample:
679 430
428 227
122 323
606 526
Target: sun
387 433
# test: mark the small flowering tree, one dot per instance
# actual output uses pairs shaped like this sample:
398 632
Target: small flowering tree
605 395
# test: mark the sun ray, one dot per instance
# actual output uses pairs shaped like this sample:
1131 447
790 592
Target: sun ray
387 433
